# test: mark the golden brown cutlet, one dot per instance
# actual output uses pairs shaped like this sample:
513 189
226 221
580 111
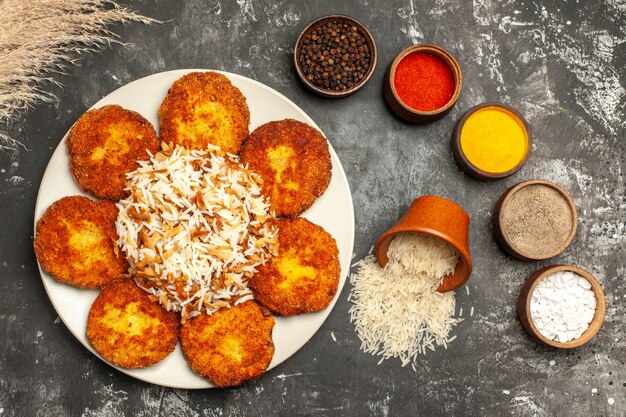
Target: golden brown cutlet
128 329
76 242
204 108
293 160
104 145
231 346
303 278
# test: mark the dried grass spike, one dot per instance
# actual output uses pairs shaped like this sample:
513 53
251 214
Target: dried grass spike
39 39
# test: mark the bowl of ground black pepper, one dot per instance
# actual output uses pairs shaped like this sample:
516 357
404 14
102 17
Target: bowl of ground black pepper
535 220
335 56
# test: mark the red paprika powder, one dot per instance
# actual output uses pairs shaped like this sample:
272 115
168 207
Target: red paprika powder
424 81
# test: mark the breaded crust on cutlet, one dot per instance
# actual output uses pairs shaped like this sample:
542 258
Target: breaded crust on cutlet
202 108
231 346
128 329
303 278
76 242
294 161
104 145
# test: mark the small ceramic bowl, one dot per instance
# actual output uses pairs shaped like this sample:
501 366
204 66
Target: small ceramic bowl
370 43
505 241
441 218
526 318
470 168
408 113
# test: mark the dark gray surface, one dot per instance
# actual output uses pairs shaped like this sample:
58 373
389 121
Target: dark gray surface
561 64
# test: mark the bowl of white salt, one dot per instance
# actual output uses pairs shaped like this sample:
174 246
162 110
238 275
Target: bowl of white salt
562 306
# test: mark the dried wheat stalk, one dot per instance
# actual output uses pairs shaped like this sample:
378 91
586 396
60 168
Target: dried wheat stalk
39 38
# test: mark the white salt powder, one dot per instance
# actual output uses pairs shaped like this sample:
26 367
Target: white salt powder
562 306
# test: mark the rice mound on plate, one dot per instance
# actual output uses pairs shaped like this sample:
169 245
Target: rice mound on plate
195 228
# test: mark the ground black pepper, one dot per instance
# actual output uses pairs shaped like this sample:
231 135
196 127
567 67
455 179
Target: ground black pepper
334 56
537 220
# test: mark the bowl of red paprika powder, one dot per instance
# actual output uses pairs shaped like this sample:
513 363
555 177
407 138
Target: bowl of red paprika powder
423 83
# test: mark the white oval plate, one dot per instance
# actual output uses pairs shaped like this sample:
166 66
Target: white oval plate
333 211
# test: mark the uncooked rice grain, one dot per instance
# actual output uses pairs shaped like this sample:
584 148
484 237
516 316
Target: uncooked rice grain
397 311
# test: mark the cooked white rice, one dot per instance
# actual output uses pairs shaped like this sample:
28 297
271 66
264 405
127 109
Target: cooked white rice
195 228
396 310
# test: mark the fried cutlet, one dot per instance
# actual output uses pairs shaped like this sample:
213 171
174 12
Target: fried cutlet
294 161
231 346
104 145
303 278
130 330
204 108
76 242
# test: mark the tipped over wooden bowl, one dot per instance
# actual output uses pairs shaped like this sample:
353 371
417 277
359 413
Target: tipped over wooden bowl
443 219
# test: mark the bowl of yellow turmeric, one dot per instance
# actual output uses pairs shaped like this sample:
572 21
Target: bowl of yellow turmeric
491 141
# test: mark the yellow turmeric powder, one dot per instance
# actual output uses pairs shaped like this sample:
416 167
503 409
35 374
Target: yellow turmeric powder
494 139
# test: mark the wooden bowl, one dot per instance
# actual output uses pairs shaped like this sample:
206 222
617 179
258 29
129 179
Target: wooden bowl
370 43
503 239
441 218
470 168
526 318
408 113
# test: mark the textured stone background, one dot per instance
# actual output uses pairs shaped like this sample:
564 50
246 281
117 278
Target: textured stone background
560 62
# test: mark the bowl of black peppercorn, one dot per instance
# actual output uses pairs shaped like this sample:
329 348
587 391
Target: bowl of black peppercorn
335 56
